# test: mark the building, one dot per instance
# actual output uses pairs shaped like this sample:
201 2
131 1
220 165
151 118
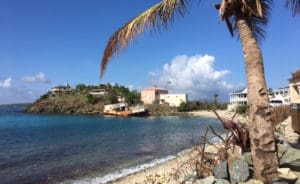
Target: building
60 89
152 95
281 96
173 99
295 87
237 98
98 92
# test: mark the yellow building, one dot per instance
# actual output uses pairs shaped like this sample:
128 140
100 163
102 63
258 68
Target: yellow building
152 95
295 87
173 100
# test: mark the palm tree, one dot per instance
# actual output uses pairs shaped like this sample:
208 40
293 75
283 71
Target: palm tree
247 19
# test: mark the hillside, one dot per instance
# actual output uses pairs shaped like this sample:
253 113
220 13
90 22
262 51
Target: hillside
65 104
80 100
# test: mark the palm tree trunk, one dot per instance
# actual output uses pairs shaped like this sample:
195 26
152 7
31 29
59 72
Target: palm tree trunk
260 125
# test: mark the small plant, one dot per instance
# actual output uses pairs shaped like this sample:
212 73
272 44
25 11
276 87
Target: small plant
183 107
91 99
242 109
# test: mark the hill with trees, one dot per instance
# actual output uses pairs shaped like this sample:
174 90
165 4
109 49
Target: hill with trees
82 100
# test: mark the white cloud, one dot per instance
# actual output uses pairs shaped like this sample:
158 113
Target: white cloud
194 75
6 83
38 78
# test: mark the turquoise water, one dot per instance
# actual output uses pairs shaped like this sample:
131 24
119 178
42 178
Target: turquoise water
55 148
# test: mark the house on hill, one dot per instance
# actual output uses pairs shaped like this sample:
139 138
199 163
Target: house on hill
152 95
61 88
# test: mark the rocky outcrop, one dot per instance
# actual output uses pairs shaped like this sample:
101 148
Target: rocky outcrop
66 104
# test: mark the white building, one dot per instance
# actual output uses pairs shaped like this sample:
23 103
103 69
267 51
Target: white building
280 96
98 92
173 99
237 98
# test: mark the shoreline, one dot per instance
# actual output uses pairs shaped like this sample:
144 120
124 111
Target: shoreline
165 172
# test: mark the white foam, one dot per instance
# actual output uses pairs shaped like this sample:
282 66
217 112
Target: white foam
120 173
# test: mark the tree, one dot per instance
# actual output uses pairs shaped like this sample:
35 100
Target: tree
247 19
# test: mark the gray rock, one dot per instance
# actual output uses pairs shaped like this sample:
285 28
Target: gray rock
221 170
248 158
222 181
240 171
291 159
208 180
189 178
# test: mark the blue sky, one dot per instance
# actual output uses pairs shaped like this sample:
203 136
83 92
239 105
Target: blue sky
45 43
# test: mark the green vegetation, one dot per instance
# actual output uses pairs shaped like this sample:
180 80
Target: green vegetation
183 107
81 100
242 109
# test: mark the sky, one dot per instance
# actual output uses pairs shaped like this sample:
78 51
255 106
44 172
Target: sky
45 43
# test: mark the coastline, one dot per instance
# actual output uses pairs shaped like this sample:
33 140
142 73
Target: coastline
165 172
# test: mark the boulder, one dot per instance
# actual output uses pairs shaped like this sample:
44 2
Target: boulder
248 158
291 159
285 176
251 181
240 171
208 180
222 181
221 170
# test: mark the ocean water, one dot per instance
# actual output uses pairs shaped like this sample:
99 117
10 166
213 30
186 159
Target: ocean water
89 149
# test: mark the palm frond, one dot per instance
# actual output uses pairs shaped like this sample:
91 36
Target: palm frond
256 12
160 15
294 5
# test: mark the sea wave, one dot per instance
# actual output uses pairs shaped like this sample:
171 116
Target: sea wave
122 173
131 170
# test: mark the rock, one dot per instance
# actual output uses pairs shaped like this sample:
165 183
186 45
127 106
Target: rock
208 180
285 132
251 181
291 159
248 158
221 170
285 176
240 171
190 178
222 181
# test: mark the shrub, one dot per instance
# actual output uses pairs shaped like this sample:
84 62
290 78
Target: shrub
242 109
183 107
91 99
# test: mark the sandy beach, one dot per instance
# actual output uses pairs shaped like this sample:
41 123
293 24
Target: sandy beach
169 172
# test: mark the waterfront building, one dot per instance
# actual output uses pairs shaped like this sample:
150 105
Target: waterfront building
173 99
237 98
280 96
152 95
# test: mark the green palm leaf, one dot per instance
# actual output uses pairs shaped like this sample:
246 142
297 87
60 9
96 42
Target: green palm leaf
155 17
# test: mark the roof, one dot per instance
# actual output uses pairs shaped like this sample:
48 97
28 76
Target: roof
155 88
295 75
244 90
